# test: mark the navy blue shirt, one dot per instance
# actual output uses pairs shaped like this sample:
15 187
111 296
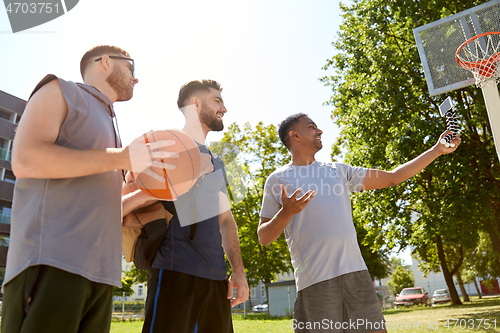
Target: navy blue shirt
203 256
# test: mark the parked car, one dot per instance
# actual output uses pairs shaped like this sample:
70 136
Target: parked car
412 296
260 308
386 302
389 302
441 296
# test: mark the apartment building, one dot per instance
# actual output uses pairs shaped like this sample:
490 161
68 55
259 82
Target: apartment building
11 109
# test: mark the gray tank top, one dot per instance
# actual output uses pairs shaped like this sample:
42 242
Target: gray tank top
73 224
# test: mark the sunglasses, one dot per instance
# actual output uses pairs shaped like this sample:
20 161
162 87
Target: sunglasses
132 68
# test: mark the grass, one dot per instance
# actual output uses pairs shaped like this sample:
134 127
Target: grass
447 318
126 327
255 323
416 319
261 323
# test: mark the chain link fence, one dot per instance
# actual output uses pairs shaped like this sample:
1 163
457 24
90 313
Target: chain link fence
127 307
131 308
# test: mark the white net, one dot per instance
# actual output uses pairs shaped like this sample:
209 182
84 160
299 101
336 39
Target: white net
481 56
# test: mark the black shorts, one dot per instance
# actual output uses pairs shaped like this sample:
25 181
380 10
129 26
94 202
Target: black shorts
183 303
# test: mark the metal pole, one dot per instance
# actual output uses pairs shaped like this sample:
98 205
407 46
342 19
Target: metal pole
492 101
289 303
245 310
123 306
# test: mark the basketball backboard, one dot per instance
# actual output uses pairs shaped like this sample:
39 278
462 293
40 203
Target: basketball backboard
437 43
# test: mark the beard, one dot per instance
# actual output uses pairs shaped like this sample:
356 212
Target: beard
210 119
120 84
316 145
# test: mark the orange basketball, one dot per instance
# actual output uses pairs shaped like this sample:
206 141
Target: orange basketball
187 166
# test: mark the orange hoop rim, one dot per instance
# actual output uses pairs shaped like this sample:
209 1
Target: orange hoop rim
471 65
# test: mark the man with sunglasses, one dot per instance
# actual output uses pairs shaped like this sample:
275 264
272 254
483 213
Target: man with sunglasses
65 252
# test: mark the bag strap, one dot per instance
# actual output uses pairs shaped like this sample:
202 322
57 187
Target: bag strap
170 207
194 212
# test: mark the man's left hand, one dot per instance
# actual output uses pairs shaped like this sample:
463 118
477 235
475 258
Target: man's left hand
456 140
238 282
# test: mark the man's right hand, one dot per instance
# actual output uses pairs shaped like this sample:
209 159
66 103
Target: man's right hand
270 229
142 156
293 205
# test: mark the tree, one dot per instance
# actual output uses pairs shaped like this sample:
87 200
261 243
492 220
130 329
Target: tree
483 262
401 278
137 275
251 155
387 117
376 260
126 288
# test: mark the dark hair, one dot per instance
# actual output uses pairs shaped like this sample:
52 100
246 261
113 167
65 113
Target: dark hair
286 125
98 51
193 87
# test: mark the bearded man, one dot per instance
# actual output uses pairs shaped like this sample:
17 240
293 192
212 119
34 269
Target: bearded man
65 251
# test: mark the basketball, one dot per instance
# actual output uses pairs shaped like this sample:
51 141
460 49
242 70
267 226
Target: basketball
187 166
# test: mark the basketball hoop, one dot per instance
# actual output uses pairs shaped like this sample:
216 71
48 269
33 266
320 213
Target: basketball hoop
437 44
481 56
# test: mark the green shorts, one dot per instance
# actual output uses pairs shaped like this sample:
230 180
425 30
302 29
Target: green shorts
46 299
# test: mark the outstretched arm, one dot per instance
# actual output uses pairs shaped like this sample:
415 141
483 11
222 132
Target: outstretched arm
270 229
376 179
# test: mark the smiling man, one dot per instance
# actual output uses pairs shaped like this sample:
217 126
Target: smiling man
188 290
335 291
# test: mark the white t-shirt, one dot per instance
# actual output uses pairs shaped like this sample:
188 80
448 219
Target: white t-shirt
322 238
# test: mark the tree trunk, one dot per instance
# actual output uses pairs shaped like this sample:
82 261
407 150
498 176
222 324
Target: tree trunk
477 288
495 239
267 294
250 301
448 277
462 288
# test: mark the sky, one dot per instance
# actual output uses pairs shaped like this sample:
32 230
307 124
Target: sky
267 54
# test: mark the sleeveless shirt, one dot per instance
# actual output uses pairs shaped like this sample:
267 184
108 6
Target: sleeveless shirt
202 255
73 224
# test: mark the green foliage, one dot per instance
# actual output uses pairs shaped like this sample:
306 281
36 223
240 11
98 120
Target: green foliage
126 288
137 275
482 262
260 153
402 277
375 259
386 116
